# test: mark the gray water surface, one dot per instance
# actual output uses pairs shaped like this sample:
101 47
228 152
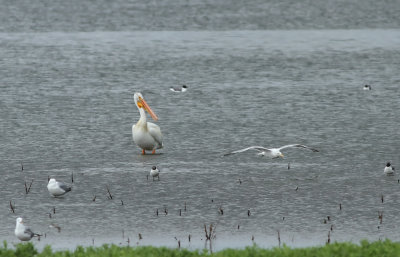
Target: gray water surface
67 107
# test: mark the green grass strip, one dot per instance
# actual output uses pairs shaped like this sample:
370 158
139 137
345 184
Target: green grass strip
364 249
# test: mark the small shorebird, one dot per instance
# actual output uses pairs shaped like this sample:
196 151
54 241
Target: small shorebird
154 172
179 89
389 169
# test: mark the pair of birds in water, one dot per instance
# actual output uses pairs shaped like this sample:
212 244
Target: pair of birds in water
55 188
148 136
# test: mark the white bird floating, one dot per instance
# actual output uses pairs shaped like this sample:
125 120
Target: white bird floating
367 87
389 169
23 232
154 172
271 152
179 89
145 134
57 188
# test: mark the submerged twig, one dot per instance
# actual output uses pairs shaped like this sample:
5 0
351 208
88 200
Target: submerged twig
329 238
109 193
279 238
28 188
12 207
380 215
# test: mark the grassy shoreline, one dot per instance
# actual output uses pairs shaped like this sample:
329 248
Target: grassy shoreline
364 249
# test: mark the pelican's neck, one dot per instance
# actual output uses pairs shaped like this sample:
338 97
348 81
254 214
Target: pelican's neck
143 120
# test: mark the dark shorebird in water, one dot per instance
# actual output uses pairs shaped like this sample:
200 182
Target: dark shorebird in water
367 87
389 169
57 188
179 89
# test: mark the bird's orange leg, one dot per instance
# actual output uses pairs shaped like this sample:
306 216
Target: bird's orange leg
154 151
143 152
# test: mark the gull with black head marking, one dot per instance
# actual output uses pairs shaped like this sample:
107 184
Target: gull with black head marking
179 89
23 233
367 87
389 169
271 152
57 188
154 172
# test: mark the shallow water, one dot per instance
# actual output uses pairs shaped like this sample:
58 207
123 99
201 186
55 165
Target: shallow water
67 107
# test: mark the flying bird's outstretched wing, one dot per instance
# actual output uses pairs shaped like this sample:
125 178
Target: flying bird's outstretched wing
297 146
258 148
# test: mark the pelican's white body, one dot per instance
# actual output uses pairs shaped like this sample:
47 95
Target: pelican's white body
145 134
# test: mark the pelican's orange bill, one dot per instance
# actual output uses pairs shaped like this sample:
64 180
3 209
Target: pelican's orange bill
148 109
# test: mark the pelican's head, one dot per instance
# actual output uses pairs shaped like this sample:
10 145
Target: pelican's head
141 103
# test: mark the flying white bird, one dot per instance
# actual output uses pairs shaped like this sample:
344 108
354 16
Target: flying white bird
389 169
57 188
271 152
145 134
23 232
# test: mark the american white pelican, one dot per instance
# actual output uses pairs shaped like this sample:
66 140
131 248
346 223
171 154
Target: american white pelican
57 188
367 87
145 134
154 172
389 169
271 152
179 89
23 232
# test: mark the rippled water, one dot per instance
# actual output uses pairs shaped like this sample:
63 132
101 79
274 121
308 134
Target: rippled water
67 107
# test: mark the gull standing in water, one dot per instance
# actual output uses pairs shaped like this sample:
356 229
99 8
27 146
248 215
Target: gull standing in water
57 188
23 232
389 169
154 172
145 134
271 152
179 89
